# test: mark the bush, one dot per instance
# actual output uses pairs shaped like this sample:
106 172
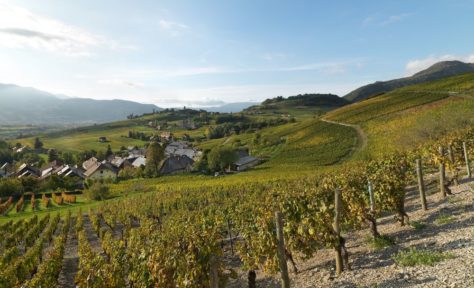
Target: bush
380 242
413 257
97 191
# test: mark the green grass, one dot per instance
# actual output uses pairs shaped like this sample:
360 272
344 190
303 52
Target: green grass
379 243
418 225
414 257
27 212
444 219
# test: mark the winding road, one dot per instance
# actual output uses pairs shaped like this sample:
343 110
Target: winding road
361 134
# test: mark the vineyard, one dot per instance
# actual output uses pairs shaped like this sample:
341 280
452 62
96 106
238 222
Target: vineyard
313 201
193 235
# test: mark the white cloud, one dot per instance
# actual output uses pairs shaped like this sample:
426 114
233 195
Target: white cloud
383 20
417 65
394 18
172 28
20 28
120 82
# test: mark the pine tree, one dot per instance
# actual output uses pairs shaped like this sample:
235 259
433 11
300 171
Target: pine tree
38 144
154 155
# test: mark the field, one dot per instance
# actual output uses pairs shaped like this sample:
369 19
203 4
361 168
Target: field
313 175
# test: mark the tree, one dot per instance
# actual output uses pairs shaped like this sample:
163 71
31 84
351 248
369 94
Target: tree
38 144
68 158
221 157
108 152
97 191
52 155
154 155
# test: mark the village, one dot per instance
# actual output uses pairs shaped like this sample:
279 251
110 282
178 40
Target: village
179 157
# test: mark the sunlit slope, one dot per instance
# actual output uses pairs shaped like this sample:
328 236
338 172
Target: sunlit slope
402 119
402 99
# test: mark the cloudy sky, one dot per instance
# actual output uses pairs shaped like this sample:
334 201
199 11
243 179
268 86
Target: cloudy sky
200 53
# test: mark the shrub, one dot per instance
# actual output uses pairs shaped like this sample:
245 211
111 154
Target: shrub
444 219
380 242
97 191
413 257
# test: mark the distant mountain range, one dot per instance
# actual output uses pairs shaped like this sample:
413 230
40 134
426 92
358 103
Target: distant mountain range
24 106
29 106
437 71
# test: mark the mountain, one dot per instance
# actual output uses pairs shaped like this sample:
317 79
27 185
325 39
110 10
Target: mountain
23 106
437 71
322 102
231 107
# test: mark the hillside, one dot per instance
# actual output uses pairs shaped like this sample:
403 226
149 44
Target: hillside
437 71
307 160
303 103
405 117
28 106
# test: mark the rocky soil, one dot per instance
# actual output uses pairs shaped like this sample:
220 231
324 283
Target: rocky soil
376 268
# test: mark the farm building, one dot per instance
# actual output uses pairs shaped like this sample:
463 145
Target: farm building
176 164
245 161
89 163
26 170
139 162
100 171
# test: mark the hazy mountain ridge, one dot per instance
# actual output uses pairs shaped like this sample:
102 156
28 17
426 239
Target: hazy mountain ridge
23 105
437 71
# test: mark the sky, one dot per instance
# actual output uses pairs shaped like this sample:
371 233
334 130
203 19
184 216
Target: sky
208 52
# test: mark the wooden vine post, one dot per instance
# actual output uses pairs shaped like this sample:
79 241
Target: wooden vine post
453 162
337 230
421 184
285 278
442 172
229 227
371 197
466 158
214 272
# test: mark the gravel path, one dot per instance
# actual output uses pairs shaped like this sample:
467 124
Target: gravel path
71 259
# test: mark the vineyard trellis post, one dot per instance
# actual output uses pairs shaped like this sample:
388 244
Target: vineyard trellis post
421 184
230 236
285 278
337 230
453 162
371 197
214 272
466 158
442 172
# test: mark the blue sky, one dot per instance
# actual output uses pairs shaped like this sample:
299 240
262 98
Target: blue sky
201 53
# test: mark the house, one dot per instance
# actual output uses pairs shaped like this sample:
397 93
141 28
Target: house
7 170
26 170
167 136
20 149
245 161
176 164
139 162
180 148
70 171
102 139
89 163
50 168
101 170
120 162
173 146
